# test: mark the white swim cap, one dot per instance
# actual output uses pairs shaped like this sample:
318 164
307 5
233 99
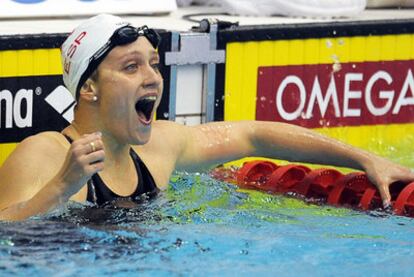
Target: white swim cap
83 43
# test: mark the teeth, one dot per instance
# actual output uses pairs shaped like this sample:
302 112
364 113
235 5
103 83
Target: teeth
150 98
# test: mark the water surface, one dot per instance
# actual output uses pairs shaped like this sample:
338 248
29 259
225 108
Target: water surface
200 227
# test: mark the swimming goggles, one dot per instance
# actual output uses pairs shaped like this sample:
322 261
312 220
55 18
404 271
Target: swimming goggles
122 36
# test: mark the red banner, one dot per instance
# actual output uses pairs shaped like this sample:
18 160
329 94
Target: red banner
329 95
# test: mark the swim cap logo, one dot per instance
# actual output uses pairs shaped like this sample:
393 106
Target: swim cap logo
71 51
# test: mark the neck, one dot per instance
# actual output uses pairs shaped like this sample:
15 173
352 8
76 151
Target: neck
86 120
116 154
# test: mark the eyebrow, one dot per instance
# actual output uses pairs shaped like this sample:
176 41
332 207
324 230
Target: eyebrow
153 54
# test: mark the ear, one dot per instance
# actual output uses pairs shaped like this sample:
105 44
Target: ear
88 91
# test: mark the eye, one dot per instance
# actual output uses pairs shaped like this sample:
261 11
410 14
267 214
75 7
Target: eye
156 67
131 67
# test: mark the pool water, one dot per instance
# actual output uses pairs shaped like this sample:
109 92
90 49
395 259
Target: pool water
204 227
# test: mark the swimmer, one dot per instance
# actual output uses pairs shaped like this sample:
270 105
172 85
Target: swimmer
114 150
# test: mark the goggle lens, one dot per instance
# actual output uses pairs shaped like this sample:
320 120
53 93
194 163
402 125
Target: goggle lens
129 34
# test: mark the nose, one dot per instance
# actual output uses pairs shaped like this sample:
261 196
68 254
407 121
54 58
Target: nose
152 77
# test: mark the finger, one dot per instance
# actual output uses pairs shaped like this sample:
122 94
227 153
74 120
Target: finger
88 144
86 138
94 168
93 146
407 176
95 157
93 162
385 195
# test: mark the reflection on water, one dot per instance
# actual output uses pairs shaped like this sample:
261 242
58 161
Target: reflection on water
202 226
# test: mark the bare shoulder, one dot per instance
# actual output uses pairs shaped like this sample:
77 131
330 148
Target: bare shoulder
163 149
166 140
45 143
35 161
167 134
170 126
43 150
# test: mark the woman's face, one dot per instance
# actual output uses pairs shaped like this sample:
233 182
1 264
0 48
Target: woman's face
129 88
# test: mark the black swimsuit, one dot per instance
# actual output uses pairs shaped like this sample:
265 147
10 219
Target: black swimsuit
99 193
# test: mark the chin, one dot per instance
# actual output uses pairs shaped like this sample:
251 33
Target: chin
142 137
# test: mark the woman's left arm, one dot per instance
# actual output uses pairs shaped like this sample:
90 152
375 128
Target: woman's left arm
214 143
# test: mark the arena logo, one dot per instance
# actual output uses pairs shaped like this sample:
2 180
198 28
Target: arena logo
18 109
61 100
33 104
359 94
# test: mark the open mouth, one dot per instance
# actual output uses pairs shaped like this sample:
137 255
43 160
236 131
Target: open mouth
144 108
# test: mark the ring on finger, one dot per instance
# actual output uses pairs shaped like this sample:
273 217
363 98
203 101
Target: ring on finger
93 147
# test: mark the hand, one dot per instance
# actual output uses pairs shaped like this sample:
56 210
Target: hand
383 173
84 158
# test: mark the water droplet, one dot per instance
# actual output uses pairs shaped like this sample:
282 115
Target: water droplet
329 43
38 91
6 243
303 115
336 67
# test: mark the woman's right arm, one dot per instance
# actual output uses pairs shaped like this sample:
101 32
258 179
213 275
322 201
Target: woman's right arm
43 173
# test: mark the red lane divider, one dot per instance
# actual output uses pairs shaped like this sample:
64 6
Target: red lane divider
318 183
355 190
321 185
254 174
284 178
404 204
